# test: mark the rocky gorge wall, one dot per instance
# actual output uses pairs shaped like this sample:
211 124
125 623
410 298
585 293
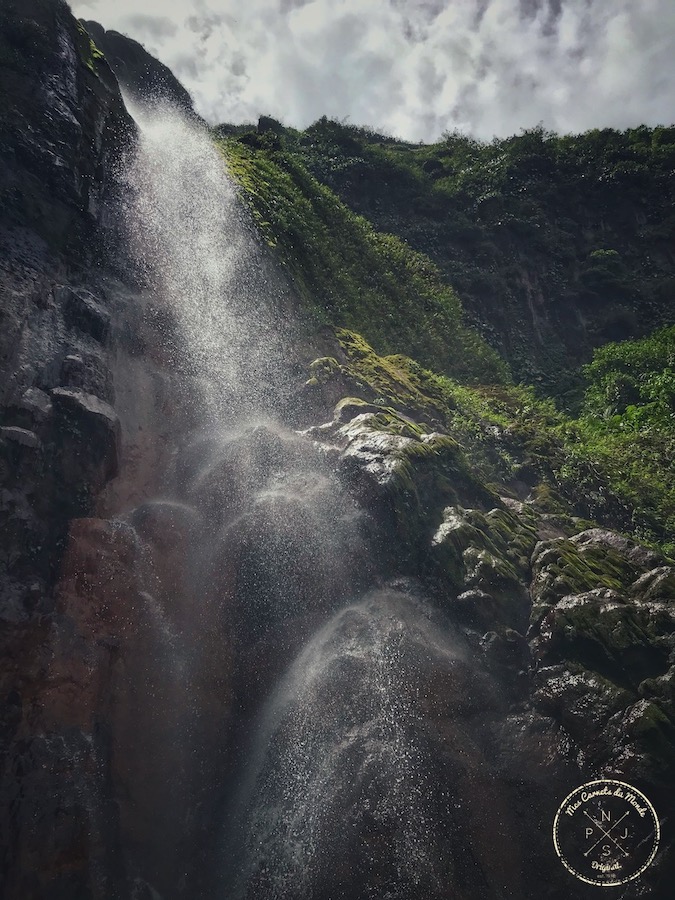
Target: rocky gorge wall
326 653
64 130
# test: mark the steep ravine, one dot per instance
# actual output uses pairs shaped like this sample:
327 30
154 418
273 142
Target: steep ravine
269 630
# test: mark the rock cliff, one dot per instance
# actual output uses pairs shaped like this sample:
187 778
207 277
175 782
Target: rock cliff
138 72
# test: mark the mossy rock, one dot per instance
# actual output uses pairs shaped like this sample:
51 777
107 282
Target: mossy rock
644 737
581 700
484 556
661 689
606 633
564 567
402 470
323 370
349 407
90 54
592 607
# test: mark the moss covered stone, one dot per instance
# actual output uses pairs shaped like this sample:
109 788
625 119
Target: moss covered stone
484 557
90 55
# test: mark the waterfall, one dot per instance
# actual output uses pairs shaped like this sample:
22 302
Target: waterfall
343 767
194 248
339 770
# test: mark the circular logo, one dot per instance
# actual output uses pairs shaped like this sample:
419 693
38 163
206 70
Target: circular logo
606 832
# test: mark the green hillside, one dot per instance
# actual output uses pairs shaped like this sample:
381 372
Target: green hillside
416 345
555 244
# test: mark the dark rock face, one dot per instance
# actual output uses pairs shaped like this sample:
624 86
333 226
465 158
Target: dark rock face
138 72
602 636
81 310
63 129
62 126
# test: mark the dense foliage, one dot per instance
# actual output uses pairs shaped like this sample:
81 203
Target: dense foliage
555 244
628 425
608 469
353 275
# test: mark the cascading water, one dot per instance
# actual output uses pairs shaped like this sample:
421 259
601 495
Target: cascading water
192 245
339 762
272 541
331 778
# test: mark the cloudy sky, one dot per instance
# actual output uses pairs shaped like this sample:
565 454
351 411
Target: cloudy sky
414 68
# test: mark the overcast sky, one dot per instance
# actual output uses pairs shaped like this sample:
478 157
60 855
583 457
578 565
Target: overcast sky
414 68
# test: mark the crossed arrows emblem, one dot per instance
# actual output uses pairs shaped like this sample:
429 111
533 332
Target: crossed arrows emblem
605 834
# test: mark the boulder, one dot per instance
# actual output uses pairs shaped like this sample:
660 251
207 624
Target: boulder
88 372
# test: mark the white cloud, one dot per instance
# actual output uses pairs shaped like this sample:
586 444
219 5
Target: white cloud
414 67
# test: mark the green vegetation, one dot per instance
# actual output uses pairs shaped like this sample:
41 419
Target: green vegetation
627 430
554 244
89 52
570 219
352 275
632 384
589 466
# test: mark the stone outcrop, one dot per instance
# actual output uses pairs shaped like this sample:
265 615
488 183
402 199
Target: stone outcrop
140 75
63 125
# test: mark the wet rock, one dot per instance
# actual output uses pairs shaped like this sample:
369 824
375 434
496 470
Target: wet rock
602 636
401 471
642 738
657 584
63 126
583 563
89 373
661 689
172 534
89 436
379 454
506 648
631 551
20 436
113 680
64 825
399 761
297 550
82 310
223 473
141 890
525 733
476 609
484 556
581 700
139 73
350 407
329 384
32 410
626 640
